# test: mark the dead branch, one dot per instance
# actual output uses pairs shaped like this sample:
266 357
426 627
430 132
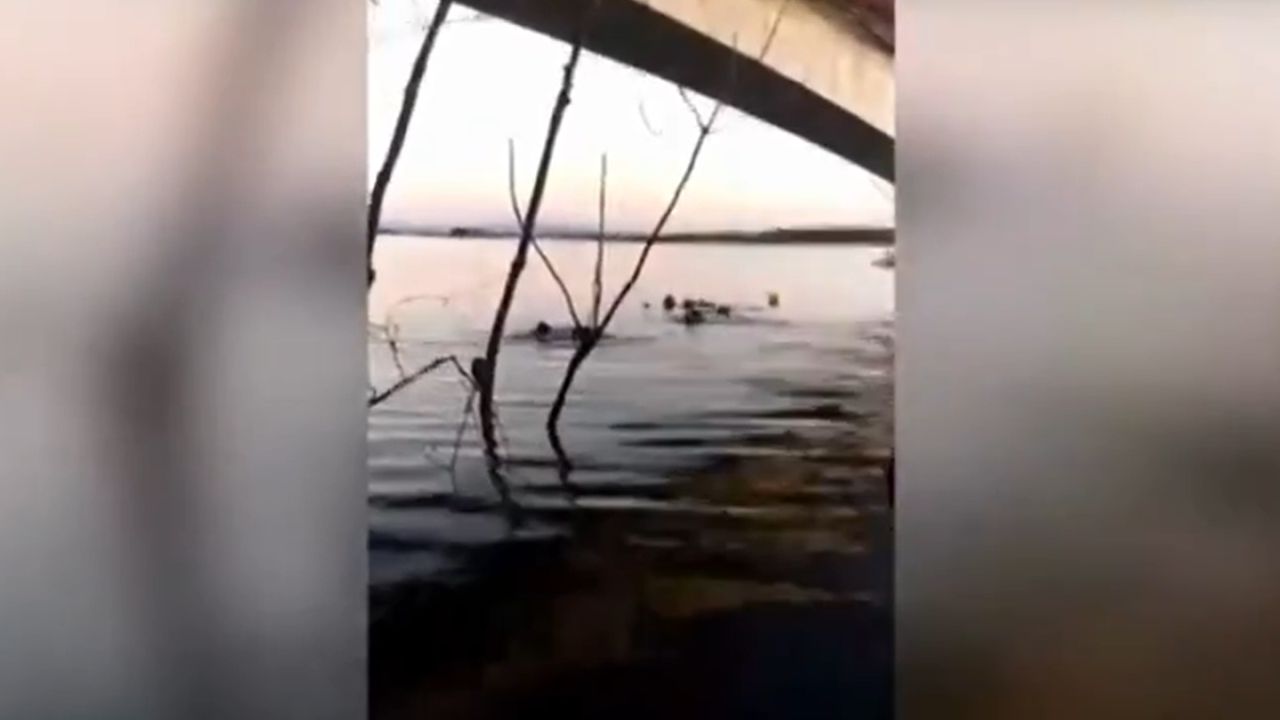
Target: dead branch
391 328
644 118
584 348
410 100
378 397
597 287
457 439
392 332
537 246
485 369
406 380
693 109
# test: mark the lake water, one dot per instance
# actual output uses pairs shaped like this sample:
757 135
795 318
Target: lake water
727 500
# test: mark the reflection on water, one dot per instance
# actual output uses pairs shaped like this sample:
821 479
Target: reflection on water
722 546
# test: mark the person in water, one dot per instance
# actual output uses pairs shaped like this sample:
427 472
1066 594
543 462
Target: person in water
544 332
693 316
669 302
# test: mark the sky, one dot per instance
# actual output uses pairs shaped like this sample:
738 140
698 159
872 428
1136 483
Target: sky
489 81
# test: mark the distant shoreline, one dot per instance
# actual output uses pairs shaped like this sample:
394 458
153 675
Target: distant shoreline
873 237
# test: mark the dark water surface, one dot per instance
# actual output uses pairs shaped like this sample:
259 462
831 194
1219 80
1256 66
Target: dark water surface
722 548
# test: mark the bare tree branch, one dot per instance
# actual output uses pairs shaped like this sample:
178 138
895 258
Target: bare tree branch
462 431
383 179
378 398
693 109
391 329
584 348
546 261
392 333
597 287
694 154
644 118
588 344
485 369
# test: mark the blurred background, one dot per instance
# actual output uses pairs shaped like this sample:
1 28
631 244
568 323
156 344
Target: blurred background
1087 353
1089 277
182 450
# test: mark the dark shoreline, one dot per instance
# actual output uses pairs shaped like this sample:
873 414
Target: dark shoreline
867 237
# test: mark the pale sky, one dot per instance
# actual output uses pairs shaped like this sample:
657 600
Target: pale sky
490 80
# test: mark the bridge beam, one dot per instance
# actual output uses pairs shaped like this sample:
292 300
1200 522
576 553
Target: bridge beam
634 33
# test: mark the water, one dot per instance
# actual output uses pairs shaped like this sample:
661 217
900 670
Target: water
727 484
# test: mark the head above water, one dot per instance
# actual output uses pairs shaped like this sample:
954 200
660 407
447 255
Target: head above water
773 299
542 329
669 302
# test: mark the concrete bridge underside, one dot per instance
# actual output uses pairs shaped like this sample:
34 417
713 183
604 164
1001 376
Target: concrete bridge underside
827 75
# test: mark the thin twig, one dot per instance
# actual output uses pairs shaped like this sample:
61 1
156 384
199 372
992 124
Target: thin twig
661 225
644 118
392 333
457 440
546 261
704 129
770 36
463 372
407 104
597 287
403 382
391 328
693 109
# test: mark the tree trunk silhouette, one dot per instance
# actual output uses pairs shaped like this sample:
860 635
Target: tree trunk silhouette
383 179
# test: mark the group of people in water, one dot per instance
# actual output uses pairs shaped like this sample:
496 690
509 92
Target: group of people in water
686 311
695 311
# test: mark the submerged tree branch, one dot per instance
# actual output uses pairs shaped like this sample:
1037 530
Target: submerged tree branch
410 100
485 369
583 350
588 344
